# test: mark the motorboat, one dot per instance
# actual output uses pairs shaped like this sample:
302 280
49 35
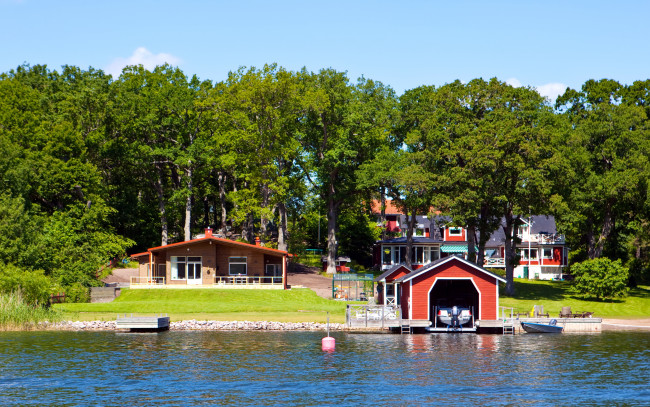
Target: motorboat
454 317
537 328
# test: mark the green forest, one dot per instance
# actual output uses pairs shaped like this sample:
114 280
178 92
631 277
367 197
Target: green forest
94 168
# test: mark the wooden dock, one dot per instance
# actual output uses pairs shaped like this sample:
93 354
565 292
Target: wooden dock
143 323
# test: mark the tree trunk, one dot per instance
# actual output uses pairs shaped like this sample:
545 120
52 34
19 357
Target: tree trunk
471 243
510 251
382 219
222 200
410 225
188 206
591 243
282 227
483 235
608 226
161 209
206 212
264 220
332 244
248 232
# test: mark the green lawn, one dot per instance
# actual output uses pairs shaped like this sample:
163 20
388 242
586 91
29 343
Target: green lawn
297 305
554 295
303 305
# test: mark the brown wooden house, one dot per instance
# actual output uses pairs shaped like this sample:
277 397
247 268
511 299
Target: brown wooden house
210 261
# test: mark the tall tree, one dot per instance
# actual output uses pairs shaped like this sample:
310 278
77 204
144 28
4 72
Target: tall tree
344 127
608 151
268 104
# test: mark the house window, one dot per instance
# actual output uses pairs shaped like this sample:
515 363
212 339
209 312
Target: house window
434 254
547 253
387 255
524 253
522 230
402 255
179 268
424 254
419 232
237 265
417 255
455 231
185 267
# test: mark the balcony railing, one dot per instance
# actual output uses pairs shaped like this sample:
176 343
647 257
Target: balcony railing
494 262
543 238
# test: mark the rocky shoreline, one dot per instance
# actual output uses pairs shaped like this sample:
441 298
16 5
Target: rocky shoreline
194 325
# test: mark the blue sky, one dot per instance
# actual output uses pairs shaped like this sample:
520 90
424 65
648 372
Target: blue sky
546 44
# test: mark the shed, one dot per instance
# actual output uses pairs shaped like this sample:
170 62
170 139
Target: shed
447 282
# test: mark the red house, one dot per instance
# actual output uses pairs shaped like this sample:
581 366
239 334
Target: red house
542 251
442 283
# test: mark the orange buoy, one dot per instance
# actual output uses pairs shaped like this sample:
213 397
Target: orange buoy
328 343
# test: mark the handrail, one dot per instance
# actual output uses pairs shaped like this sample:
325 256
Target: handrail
545 238
371 315
247 280
497 261
139 280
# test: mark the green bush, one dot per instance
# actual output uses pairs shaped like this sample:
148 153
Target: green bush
600 278
34 286
76 292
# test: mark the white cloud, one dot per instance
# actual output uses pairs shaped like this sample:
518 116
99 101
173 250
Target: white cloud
141 56
551 90
514 82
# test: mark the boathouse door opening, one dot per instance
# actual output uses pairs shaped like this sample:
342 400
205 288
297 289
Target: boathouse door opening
446 293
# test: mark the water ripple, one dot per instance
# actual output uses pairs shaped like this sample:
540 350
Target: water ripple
262 368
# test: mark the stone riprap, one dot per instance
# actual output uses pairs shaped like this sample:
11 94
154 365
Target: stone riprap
194 325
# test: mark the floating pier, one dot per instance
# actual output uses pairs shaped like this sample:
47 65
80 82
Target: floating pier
143 323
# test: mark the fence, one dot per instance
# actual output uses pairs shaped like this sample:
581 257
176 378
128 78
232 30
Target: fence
371 316
246 280
353 287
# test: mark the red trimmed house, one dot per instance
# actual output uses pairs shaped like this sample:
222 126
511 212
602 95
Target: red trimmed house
210 261
443 283
542 251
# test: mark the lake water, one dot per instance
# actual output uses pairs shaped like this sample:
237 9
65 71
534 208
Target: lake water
289 368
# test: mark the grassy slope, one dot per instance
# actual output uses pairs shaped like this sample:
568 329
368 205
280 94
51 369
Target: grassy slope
554 295
303 305
274 305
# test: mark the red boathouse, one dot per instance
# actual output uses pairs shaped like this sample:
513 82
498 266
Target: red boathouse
446 282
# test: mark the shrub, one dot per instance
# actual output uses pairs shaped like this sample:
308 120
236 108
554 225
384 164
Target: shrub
600 278
76 292
33 285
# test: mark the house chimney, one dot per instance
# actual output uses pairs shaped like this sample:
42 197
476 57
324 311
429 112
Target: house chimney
257 241
208 232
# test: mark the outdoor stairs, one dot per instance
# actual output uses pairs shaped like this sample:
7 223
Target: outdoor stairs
508 327
405 326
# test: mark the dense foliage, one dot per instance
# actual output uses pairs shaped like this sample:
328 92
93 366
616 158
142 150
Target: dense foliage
94 166
600 278
33 286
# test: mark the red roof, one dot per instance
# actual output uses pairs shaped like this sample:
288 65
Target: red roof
215 239
392 209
